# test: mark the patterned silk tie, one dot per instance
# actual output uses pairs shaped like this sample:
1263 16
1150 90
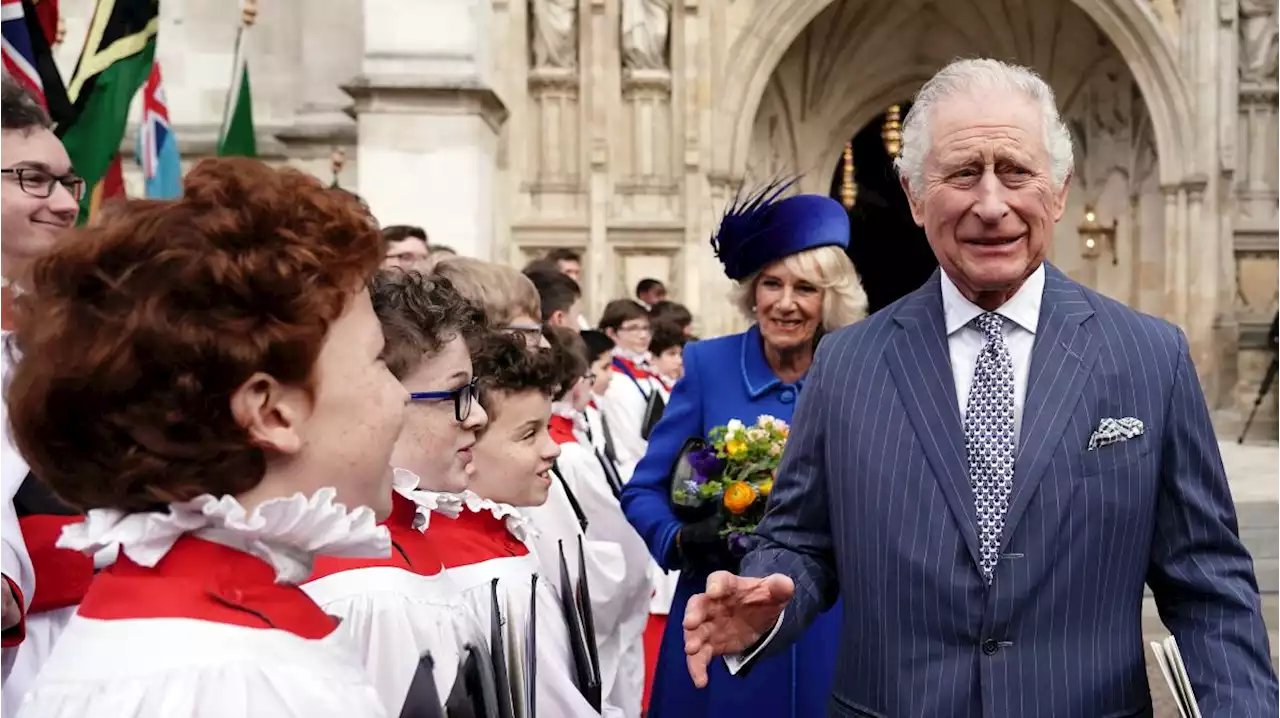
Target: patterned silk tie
989 442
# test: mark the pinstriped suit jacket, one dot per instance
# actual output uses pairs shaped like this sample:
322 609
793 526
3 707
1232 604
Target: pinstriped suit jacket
873 501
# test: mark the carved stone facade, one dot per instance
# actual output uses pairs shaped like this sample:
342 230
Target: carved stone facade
623 127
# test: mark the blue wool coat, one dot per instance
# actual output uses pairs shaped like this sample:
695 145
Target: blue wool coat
725 378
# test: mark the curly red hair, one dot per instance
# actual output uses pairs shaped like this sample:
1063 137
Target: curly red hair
139 329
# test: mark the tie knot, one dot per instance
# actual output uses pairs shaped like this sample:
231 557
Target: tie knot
990 323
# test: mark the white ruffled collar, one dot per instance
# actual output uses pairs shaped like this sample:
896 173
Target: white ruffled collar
517 524
425 501
640 359
579 418
287 533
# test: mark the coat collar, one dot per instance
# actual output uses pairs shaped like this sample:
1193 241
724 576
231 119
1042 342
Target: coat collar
756 372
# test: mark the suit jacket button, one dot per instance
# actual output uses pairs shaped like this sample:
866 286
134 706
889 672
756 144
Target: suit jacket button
787 396
990 647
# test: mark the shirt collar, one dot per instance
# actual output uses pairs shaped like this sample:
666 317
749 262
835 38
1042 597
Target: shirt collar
1023 308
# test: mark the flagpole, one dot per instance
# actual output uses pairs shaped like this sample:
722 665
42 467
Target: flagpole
248 16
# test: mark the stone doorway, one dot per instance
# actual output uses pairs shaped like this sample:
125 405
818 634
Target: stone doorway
855 58
889 251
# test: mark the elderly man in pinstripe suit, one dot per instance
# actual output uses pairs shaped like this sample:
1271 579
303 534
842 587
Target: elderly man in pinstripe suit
990 469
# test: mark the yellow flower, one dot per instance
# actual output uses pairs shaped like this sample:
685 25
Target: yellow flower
739 496
735 448
765 487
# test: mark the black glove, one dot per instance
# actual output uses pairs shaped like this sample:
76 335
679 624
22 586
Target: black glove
701 549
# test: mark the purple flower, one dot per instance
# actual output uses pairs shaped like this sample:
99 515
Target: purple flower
739 543
705 463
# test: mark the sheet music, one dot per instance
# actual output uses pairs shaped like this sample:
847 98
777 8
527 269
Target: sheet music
1169 658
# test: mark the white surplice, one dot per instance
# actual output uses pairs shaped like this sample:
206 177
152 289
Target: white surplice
15 562
621 640
200 617
395 610
624 403
491 541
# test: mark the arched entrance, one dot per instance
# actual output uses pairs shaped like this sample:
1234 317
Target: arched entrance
864 180
895 61
854 58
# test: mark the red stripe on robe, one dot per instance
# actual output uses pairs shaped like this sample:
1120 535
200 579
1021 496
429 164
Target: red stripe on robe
62 575
561 430
206 581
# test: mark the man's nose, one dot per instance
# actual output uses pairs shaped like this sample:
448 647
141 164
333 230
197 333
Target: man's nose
992 204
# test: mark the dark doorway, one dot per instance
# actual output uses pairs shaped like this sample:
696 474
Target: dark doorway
889 251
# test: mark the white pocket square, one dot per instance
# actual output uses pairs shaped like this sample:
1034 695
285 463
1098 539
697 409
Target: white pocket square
1113 431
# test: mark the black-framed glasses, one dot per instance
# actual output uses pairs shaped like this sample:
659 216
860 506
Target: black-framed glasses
463 397
38 183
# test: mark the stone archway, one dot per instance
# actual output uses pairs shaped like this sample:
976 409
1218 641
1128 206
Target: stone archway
1128 24
858 56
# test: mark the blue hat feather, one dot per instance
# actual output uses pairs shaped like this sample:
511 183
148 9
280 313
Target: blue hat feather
760 229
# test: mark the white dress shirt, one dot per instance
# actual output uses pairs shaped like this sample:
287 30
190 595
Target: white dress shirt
965 341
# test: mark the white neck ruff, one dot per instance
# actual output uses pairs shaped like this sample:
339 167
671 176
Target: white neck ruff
425 501
287 533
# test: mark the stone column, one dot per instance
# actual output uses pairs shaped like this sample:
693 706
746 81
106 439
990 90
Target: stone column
428 119
330 47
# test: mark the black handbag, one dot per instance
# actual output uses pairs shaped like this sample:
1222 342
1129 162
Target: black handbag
687 510
654 406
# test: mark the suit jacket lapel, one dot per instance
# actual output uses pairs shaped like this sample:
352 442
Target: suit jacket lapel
921 366
1061 359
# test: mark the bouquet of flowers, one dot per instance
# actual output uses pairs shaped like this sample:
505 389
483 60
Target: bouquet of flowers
734 473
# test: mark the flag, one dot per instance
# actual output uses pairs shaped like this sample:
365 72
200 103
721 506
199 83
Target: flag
42 27
114 63
157 147
46 12
19 55
237 138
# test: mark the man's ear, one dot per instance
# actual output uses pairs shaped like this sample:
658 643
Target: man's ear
1060 197
271 412
557 319
917 212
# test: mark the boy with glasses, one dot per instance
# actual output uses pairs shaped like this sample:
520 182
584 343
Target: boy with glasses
38 204
401 614
625 402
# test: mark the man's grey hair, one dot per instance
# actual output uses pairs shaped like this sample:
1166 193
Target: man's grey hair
18 109
981 77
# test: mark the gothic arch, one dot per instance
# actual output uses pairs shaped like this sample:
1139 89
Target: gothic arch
1129 24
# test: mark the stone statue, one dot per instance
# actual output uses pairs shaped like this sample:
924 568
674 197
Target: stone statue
646 25
1258 40
554 26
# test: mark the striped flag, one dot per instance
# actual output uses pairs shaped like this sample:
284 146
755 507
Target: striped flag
19 54
113 65
237 135
157 147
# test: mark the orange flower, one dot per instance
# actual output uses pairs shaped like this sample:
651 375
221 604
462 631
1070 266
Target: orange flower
739 496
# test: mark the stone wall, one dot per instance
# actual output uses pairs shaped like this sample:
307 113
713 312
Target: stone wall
623 127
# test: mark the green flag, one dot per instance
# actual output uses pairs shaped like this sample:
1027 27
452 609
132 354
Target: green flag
237 138
115 62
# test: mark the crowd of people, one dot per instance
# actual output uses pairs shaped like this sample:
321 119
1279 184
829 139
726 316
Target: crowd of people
254 407
265 456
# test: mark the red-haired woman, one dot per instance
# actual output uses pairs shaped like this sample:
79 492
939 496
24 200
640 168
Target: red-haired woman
204 378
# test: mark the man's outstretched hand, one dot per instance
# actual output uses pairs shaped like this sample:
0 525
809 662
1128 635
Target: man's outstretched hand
733 614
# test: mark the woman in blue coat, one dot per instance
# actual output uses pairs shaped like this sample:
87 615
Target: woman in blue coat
794 282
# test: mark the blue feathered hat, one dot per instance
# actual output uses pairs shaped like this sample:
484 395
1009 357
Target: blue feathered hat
761 228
